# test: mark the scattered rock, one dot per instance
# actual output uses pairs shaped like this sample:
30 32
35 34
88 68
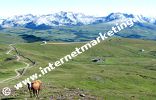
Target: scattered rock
82 95
97 60
142 50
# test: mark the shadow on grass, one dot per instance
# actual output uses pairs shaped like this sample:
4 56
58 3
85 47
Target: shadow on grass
8 98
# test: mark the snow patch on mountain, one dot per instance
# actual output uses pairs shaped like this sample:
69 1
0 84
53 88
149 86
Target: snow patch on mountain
66 19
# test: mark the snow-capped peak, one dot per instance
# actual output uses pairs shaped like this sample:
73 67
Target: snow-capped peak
66 19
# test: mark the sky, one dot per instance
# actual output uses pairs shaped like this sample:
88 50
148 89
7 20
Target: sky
89 7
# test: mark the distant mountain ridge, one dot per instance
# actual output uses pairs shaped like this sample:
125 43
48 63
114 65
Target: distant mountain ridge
64 19
71 27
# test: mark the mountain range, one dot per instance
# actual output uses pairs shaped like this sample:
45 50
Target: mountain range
71 27
64 19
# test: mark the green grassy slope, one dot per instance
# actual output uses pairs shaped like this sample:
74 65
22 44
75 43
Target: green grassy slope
8 63
10 38
125 74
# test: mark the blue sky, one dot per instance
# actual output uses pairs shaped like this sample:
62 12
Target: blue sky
89 7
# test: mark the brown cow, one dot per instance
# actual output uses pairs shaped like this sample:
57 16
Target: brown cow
34 87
